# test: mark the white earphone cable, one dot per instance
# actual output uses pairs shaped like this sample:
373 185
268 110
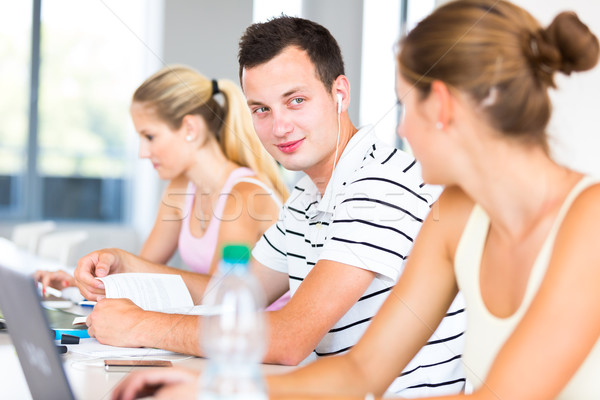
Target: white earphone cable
337 145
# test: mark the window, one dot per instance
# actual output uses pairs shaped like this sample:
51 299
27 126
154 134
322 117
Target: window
66 156
383 23
15 47
381 30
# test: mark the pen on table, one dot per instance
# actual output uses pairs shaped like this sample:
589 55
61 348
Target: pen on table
48 290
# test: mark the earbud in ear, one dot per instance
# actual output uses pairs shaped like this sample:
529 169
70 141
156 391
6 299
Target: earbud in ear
339 102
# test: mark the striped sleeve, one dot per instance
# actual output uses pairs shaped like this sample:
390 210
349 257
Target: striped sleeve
271 250
376 221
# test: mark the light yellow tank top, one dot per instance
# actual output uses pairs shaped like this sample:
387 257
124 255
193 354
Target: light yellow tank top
487 333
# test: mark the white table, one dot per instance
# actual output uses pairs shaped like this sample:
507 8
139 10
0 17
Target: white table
89 380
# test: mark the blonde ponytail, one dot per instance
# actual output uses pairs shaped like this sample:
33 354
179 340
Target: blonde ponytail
176 91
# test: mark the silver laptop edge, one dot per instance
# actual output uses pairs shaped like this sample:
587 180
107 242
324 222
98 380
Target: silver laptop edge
30 334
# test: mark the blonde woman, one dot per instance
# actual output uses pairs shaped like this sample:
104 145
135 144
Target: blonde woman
223 186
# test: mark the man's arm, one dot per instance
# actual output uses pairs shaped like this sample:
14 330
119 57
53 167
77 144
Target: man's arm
119 322
325 295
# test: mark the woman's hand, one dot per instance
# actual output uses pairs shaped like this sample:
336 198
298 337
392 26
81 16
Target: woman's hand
174 383
58 279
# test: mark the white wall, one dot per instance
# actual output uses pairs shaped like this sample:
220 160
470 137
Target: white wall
343 18
204 34
378 103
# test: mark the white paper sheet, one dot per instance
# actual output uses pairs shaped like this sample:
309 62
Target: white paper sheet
152 292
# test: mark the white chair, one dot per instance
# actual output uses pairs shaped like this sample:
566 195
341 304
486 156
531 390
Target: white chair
60 246
27 235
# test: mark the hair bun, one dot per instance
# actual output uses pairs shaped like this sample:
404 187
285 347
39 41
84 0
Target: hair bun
577 47
544 56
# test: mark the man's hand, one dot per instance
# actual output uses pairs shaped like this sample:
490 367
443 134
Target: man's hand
114 322
161 383
96 264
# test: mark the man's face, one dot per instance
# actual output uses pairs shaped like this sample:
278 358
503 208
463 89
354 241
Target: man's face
294 115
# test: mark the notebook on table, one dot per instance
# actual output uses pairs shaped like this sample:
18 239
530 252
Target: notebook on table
32 337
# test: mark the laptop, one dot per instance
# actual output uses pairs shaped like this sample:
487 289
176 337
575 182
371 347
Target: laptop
32 337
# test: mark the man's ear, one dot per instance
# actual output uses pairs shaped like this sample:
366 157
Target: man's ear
443 101
341 86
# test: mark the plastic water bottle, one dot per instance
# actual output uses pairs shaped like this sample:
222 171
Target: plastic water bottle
234 337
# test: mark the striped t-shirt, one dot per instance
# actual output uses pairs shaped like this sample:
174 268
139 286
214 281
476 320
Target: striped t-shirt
369 216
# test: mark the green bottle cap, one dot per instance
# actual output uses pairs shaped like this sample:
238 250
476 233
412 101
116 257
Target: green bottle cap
237 253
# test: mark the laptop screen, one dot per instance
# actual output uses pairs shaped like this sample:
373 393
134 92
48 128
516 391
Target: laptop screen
31 335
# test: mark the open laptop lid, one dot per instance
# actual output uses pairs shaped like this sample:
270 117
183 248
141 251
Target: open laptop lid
31 336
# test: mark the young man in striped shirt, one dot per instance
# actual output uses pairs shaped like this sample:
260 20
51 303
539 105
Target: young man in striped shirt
348 226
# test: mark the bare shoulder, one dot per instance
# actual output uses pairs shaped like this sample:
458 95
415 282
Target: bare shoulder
251 204
249 211
582 219
575 257
176 190
455 199
575 261
450 214
174 195
250 186
177 184
453 207
255 195
588 199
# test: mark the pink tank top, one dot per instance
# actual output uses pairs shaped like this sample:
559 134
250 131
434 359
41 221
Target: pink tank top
198 252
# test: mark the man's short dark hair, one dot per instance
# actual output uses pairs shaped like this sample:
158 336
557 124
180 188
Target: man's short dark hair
261 42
